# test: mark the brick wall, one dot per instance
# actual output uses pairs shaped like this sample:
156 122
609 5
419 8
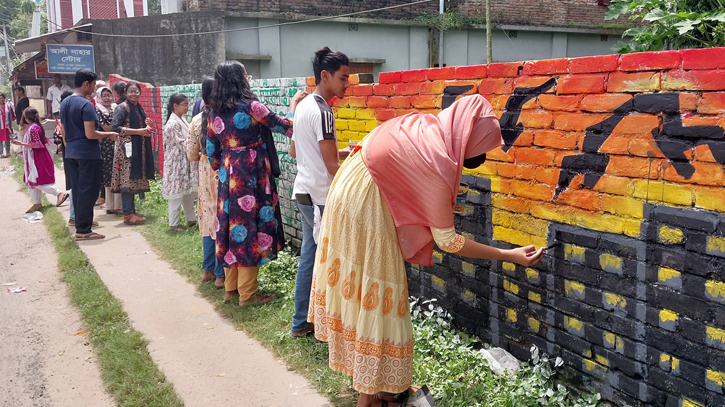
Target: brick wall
563 13
621 159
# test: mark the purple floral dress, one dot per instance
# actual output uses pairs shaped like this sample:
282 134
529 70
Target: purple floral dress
249 222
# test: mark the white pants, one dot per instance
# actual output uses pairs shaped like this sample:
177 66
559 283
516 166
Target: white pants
187 201
113 201
36 192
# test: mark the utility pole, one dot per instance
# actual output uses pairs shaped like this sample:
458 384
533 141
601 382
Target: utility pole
7 52
441 10
489 39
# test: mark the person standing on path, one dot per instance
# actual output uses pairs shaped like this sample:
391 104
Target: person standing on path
52 99
314 145
22 102
7 117
133 161
181 176
39 174
83 151
104 110
250 231
208 185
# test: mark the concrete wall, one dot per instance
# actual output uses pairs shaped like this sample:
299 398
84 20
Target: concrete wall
160 60
619 158
291 47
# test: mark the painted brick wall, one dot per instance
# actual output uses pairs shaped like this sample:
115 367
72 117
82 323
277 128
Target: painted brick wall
621 159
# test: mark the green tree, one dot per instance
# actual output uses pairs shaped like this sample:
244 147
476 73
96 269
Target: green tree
670 24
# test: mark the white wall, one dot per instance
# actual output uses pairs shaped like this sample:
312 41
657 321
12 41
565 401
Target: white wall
402 47
293 46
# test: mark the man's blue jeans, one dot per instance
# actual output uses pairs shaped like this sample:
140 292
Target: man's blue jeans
210 262
303 285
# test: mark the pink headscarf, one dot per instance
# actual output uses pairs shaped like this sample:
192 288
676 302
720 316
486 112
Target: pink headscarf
100 104
416 161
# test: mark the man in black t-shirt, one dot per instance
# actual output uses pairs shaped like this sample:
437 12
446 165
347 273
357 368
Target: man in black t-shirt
83 151
22 102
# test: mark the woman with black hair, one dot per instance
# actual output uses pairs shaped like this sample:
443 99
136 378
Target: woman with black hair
249 232
119 92
39 173
133 161
181 177
208 184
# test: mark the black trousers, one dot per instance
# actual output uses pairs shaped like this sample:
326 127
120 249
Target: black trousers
85 182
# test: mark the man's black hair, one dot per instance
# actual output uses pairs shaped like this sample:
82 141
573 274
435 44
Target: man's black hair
20 88
85 75
328 60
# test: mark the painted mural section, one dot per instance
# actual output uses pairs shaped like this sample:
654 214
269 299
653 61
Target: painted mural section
621 159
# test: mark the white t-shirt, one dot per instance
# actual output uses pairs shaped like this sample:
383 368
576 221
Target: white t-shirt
314 121
54 95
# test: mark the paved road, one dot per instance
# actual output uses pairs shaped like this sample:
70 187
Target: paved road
43 360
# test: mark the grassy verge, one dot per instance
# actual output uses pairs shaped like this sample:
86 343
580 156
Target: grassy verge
448 362
269 324
127 370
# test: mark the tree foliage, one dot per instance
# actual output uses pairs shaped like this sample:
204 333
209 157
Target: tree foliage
670 24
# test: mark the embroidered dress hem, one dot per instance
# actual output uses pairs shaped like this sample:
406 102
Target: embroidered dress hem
359 299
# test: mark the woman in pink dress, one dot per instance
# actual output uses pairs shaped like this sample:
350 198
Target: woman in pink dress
39 170
7 116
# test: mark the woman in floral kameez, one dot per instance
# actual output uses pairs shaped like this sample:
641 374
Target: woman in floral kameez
208 184
133 161
39 174
387 205
249 232
7 116
181 176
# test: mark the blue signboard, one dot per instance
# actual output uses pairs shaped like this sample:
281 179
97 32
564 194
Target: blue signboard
67 59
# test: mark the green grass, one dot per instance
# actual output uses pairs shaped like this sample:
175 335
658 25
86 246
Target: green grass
269 324
127 370
445 360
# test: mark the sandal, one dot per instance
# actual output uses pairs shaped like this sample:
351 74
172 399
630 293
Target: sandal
179 229
191 224
258 300
35 207
114 212
208 276
219 283
133 219
90 236
62 197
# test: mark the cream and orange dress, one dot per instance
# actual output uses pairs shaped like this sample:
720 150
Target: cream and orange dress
359 299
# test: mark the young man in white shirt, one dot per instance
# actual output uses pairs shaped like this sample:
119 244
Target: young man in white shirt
314 145
52 99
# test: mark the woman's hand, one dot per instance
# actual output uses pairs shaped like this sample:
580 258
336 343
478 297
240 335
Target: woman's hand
149 122
297 98
145 132
18 143
526 256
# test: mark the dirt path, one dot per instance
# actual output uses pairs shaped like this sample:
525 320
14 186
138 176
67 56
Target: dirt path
43 362
209 362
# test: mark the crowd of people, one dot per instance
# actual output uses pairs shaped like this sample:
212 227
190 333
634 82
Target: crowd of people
364 212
